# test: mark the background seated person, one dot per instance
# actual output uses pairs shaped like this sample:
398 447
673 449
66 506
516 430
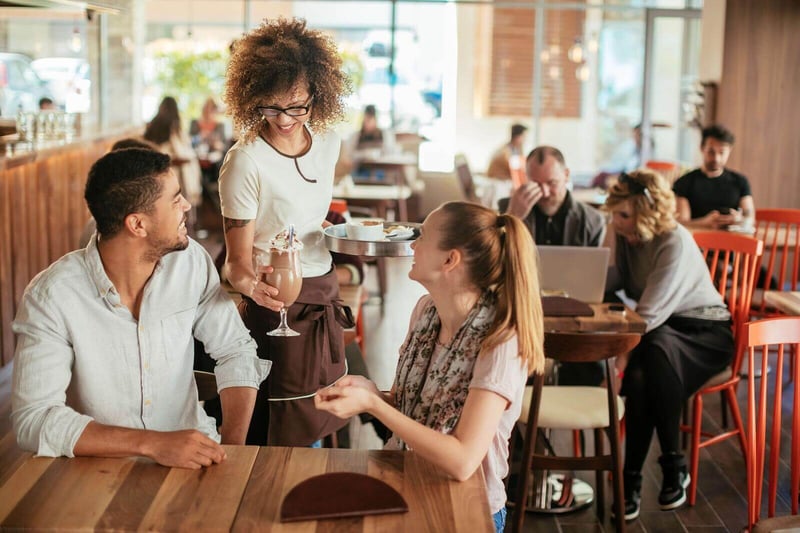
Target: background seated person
477 334
208 140
499 165
627 157
688 338
46 104
547 208
103 363
713 196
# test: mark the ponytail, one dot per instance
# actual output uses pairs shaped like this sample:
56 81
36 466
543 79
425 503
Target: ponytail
500 256
519 306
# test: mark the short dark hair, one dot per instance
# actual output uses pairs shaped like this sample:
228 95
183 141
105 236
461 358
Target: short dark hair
540 153
124 182
370 111
517 130
45 100
718 132
133 142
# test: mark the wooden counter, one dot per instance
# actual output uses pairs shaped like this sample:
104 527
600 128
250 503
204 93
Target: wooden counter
42 214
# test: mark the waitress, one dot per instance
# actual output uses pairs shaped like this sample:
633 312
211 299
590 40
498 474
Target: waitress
285 88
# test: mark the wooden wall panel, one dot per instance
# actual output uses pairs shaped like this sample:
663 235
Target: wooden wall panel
6 269
42 215
758 96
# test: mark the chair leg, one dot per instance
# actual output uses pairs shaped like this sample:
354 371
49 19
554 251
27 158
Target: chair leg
576 443
685 436
697 421
723 406
737 419
600 483
522 486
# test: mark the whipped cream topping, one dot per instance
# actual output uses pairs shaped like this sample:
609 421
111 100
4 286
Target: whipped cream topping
281 242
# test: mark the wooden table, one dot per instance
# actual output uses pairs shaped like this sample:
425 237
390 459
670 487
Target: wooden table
244 493
603 320
785 301
378 197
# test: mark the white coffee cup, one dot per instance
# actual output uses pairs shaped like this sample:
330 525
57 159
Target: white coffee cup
365 230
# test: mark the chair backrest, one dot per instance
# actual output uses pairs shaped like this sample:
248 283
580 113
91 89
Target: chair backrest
464 175
516 167
206 385
588 347
780 231
671 171
733 261
761 336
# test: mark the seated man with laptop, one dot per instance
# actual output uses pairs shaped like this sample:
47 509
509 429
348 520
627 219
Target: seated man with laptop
556 220
548 209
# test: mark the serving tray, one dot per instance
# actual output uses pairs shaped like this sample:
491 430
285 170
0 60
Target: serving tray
336 240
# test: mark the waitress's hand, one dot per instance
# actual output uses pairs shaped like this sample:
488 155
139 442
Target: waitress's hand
350 396
262 293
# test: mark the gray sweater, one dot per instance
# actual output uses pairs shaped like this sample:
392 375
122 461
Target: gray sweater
667 276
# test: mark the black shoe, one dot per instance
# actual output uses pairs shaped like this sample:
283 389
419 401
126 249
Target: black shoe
633 496
676 480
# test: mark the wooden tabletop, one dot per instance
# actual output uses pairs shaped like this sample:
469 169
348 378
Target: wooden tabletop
244 493
785 301
603 320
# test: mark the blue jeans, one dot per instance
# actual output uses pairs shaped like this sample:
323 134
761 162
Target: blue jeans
499 520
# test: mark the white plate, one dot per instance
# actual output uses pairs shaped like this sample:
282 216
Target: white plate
399 233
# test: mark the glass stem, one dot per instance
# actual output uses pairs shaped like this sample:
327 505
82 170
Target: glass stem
283 325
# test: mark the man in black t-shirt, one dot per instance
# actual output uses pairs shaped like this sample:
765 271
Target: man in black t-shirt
713 196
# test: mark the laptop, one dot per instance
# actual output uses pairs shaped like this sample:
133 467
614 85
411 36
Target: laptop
578 271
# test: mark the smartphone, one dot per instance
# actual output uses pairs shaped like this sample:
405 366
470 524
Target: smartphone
724 210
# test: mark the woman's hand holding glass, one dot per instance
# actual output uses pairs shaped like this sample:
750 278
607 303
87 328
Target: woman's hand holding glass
282 277
262 293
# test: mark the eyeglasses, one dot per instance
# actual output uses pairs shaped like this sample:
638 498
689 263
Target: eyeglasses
636 188
296 111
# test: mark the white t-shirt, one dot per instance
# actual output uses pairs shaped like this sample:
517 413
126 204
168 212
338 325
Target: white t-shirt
257 182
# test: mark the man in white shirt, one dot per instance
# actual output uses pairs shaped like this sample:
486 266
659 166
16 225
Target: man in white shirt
103 365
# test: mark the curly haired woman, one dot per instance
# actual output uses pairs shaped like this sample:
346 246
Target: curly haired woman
688 338
285 88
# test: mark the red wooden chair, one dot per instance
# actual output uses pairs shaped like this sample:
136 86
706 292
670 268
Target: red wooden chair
780 231
733 260
775 332
671 171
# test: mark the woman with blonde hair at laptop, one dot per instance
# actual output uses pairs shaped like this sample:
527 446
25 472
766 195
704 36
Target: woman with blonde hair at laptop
688 336
472 341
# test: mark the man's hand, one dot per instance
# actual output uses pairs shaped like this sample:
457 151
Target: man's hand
523 199
182 449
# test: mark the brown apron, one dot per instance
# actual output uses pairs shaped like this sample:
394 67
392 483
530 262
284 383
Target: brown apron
300 365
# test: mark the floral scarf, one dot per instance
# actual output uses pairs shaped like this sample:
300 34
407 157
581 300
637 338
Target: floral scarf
432 385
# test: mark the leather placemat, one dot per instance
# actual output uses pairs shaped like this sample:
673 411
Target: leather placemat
340 494
563 306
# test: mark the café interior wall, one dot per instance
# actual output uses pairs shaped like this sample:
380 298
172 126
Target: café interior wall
478 136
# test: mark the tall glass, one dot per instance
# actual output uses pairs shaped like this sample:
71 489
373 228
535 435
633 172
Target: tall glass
287 277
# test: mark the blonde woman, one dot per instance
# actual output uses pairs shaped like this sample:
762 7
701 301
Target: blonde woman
472 341
688 336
